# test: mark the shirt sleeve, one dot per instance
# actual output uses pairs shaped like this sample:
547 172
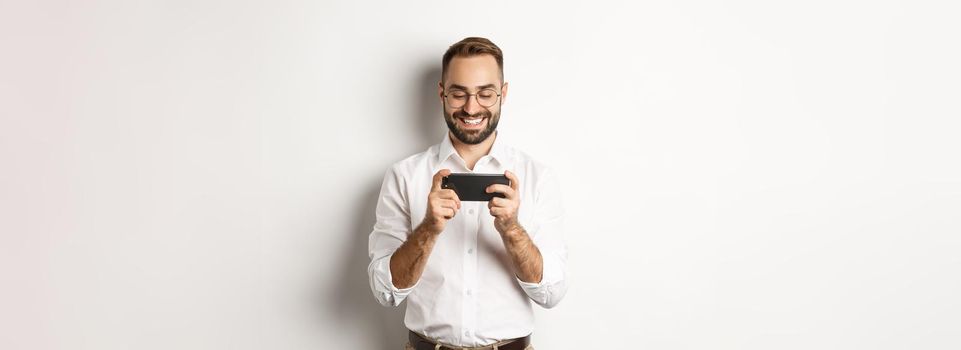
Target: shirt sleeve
546 232
390 231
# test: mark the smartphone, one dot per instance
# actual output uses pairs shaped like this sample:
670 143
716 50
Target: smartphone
473 187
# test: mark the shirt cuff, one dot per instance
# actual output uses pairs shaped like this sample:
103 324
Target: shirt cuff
539 292
551 288
389 292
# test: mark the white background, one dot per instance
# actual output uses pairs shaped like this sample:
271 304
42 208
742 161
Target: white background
738 175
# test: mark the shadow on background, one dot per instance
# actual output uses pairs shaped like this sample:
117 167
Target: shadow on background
353 301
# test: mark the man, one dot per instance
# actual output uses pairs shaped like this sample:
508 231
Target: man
469 273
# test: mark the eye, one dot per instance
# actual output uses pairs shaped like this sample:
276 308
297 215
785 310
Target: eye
487 94
458 94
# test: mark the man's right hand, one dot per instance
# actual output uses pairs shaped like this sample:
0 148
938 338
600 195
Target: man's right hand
442 204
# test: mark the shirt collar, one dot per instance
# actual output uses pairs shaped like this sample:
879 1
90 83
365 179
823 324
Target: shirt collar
499 151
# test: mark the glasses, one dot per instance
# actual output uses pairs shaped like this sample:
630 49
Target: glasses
458 98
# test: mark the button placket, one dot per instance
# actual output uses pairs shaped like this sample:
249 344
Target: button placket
469 303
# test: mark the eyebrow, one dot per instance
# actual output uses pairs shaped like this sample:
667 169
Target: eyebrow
481 87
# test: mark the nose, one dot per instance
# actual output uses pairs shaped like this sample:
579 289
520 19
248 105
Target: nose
472 106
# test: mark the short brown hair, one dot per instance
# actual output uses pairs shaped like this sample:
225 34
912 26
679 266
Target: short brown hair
473 46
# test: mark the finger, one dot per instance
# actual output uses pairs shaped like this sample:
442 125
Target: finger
510 176
507 191
446 193
450 194
496 211
498 202
448 213
448 203
438 178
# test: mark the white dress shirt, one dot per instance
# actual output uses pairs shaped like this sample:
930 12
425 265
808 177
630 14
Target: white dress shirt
468 294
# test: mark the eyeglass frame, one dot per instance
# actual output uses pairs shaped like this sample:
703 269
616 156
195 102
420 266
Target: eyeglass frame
445 94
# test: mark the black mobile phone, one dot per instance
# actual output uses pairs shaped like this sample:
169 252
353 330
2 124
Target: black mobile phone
473 187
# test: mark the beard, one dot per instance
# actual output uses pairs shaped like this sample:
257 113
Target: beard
472 137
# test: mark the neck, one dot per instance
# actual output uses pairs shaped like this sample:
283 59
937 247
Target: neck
472 153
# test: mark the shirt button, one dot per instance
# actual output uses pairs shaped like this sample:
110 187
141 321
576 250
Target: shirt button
466 333
470 211
470 251
468 292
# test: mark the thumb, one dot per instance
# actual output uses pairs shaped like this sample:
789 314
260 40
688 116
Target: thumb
438 178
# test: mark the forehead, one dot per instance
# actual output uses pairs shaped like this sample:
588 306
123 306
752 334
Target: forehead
473 71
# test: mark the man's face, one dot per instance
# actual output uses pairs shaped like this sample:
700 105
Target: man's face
471 75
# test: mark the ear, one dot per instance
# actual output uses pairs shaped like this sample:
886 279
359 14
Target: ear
440 92
504 93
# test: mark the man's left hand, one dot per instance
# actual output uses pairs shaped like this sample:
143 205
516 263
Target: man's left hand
504 210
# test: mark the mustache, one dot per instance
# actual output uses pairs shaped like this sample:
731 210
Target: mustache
462 114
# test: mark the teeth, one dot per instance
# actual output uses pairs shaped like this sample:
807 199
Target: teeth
473 121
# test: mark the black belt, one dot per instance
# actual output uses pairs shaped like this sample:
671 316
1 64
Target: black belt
420 343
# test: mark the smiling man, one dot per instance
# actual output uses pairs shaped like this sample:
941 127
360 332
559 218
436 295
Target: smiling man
469 270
